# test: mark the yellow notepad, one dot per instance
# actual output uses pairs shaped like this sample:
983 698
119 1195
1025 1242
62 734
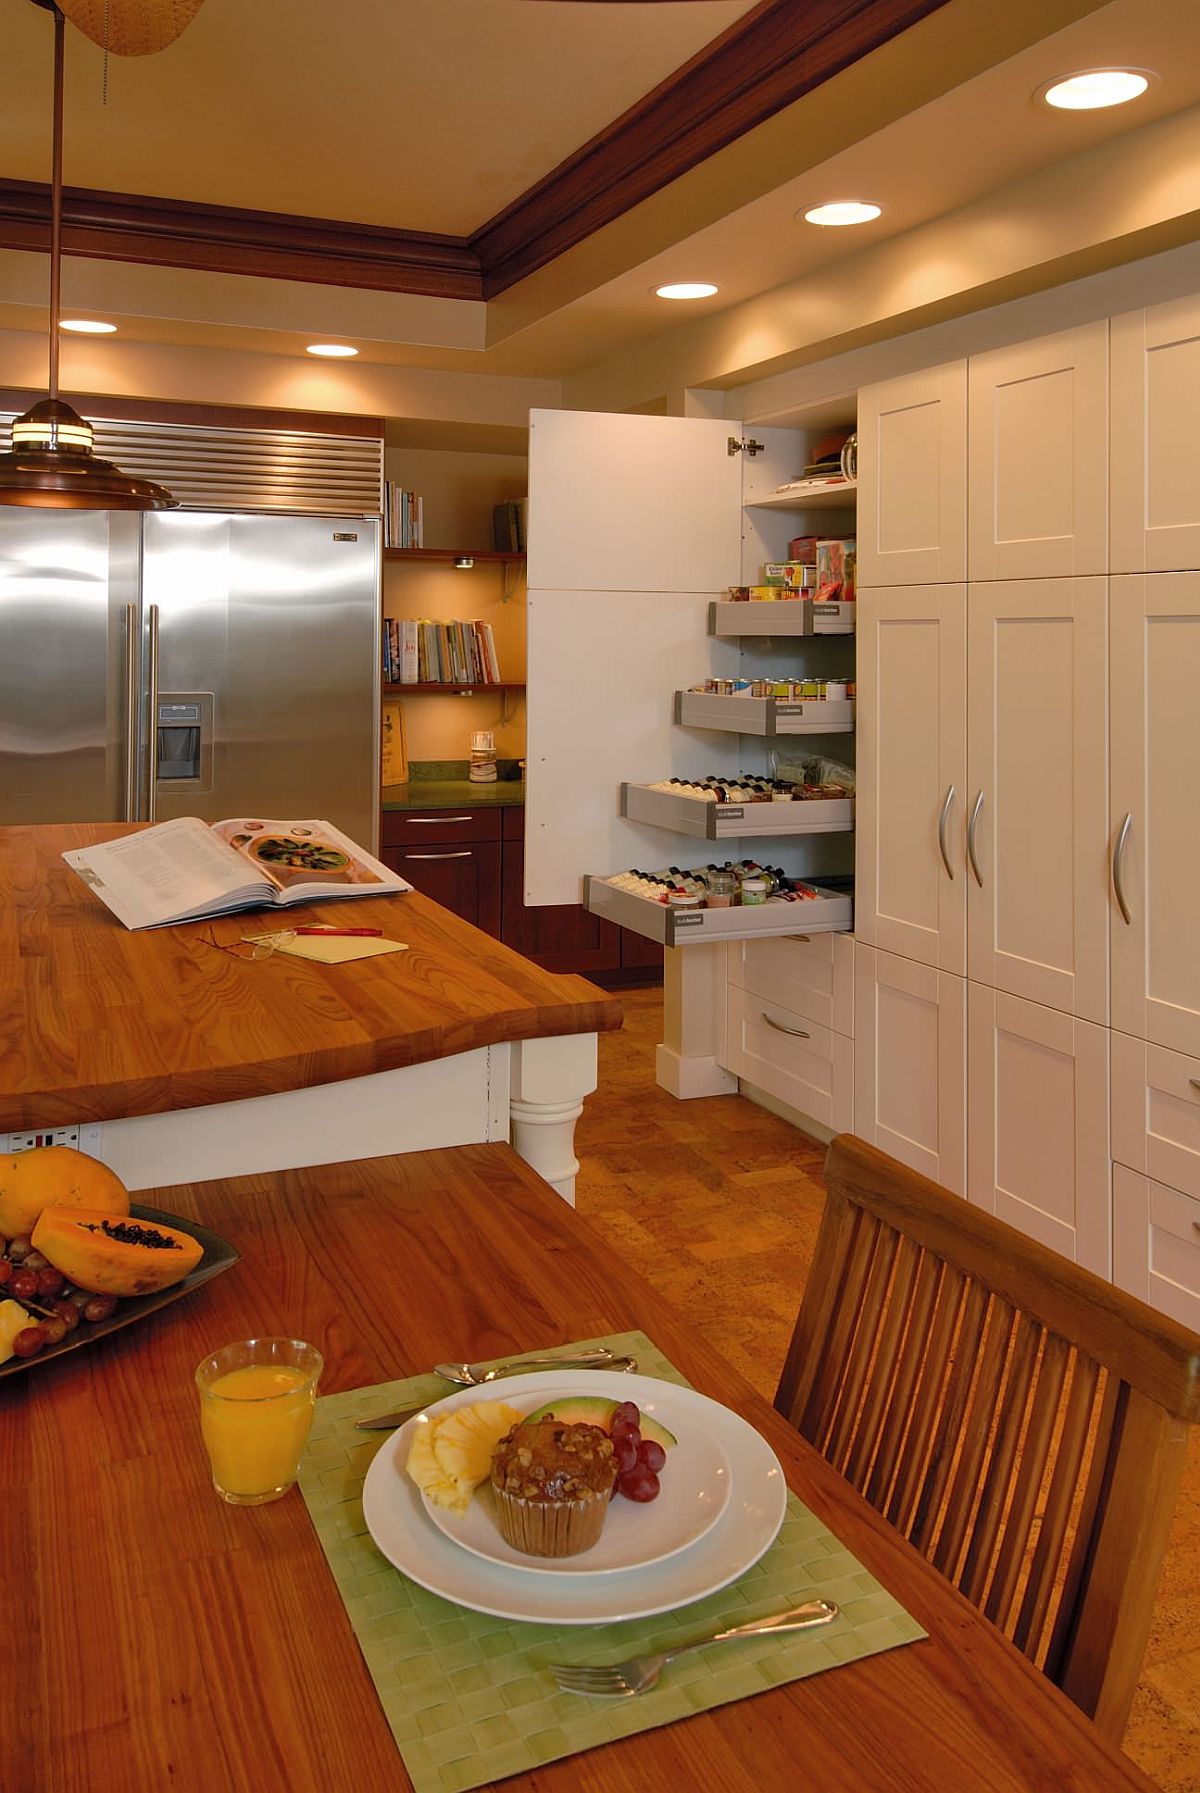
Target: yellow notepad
329 949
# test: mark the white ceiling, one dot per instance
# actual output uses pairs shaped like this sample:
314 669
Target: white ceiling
431 114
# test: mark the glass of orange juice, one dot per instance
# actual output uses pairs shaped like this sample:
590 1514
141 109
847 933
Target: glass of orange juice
256 1406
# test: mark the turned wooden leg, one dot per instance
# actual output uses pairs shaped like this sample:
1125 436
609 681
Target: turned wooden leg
548 1081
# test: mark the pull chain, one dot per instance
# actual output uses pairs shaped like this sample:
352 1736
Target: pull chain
104 78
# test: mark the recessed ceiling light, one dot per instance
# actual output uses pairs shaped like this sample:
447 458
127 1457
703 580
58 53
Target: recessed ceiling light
686 289
87 326
1095 87
843 211
332 351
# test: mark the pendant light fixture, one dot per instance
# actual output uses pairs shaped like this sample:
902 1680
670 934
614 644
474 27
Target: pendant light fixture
50 463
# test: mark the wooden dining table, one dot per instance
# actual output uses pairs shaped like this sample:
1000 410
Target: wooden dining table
154 1637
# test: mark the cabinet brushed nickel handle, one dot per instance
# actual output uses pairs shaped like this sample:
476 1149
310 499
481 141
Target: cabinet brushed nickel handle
971 827
943 819
1195 1082
465 854
152 731
1196 1226
435 821
132 682
779 1027
804 939
1118 860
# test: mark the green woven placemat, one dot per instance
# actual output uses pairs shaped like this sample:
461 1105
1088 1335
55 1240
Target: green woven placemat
469 1697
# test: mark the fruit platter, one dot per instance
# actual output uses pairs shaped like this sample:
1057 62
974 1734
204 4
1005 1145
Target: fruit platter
574 1498
79 1260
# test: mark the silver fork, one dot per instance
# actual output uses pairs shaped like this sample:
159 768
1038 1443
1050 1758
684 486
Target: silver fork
618 1680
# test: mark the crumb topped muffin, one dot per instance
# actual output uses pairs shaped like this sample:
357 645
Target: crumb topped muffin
551 1484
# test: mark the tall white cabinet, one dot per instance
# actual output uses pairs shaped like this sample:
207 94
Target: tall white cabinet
1028 850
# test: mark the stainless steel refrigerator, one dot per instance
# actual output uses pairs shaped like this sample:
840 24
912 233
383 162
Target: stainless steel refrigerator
189 663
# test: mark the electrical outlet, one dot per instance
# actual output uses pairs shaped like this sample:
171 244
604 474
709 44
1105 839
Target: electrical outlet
43 1136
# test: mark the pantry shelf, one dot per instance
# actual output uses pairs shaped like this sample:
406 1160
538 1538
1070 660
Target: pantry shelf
809 494
442 688
735 821
830 912
784 616
770 716
490 556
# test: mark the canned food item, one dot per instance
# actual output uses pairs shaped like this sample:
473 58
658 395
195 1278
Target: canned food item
810 688
835 690
754 891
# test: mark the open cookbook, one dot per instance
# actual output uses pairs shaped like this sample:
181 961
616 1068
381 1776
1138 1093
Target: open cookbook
187 870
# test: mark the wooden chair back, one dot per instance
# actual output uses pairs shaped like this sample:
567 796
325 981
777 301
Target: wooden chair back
1020 1421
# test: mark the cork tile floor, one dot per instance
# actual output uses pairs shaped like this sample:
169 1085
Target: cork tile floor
717 1203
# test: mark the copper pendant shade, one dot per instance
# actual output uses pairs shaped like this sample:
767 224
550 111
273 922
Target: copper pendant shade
50 463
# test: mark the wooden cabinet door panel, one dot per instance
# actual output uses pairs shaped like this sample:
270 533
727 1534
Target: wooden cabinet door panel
910 1063
911 752
1037 1089
1155 776
1156 438
1038 457
465 879
1037 773
557 936
912 478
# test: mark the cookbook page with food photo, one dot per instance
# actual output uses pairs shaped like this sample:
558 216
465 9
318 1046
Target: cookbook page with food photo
184 870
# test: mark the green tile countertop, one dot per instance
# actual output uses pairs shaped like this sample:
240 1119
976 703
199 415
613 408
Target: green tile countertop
455 793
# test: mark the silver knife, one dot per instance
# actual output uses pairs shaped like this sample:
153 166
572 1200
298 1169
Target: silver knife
385 1422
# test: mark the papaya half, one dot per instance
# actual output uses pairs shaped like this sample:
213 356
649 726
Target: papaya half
110 1254
54 1177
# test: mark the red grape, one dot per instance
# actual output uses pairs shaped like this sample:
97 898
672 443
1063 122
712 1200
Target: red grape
29 1342
67 1312
23 1284
19 1249
99 1307
625 1413
624 1430
639 1484
49 1281
35 1261
54 1330
651 1455
6 1271
625 1450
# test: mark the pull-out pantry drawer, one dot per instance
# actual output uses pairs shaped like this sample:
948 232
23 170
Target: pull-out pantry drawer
813 975
1156 1112
1156 1245
792 1058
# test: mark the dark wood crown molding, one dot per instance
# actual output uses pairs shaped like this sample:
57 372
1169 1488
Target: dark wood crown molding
775 54
226 240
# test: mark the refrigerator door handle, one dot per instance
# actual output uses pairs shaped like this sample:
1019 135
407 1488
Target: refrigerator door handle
132 687
152 729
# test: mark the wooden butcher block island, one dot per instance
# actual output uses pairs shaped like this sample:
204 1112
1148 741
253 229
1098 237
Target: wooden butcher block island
179 1060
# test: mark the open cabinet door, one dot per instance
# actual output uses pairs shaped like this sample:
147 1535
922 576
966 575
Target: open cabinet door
634 527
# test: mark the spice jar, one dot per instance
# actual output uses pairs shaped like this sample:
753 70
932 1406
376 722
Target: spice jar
722 889
754 890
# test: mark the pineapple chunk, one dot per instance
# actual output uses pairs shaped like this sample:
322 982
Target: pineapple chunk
452 1454
13 1319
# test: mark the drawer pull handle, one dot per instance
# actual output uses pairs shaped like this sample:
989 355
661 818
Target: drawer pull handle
465 854
803 939
971 827
943 818
781 1028
1195 1082
435 821
1118 859
1196 1226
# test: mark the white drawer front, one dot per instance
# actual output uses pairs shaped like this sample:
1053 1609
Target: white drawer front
1156 1245
813 975
1156 1112
792 1058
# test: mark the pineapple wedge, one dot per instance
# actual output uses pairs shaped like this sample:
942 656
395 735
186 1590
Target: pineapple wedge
13 1319
452 1454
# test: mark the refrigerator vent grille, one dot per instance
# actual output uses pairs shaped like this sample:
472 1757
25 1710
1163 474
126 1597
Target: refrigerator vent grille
247 470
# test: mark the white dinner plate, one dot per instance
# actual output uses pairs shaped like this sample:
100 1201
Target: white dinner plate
395 1515
694 1493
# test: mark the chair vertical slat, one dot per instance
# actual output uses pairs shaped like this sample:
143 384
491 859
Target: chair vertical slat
975 1434
963 1351
1103 1657
928 1399
878 1400
1035 1452
1100 1439
840 1223
1068 1464
829 1353
901 1414
994 1496
858 1358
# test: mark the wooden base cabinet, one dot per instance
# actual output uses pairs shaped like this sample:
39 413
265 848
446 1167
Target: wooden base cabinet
910 1025
452 856
1037 1140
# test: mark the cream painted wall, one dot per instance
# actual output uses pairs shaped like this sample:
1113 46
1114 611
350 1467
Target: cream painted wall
438 728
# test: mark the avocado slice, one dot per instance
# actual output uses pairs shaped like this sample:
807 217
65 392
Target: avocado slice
597 1410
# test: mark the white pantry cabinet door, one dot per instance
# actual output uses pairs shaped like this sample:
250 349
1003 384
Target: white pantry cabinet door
1156 1245
910 1064
1155 807
911 875
912 478
1155 450
646 504
1156 1112
1036 796
1038 457
1037 1094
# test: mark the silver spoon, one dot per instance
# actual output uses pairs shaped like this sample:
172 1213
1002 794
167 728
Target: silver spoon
474 1375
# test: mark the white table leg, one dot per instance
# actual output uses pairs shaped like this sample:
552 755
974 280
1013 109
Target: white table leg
688 1062
548 1081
